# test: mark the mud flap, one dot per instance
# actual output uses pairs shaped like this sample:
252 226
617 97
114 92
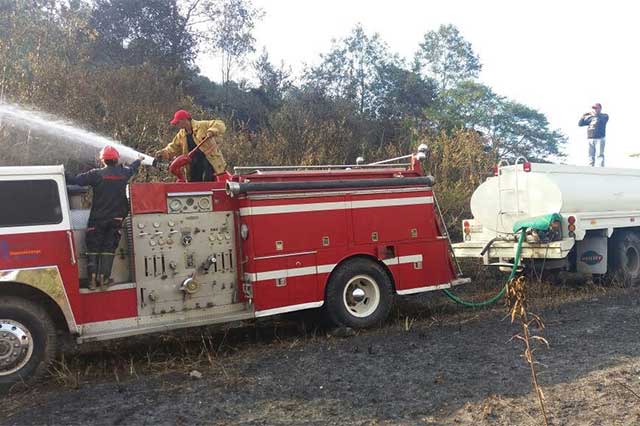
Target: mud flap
592 255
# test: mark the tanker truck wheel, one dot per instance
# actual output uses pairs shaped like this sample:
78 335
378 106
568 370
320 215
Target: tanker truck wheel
625 257
27 341
359 294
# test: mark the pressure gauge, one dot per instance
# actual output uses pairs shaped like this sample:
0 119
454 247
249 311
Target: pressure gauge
175 205
204 203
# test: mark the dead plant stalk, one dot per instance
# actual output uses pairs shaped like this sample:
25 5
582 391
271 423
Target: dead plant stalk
517 302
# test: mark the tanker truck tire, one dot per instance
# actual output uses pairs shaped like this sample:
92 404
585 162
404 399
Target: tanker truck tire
27 341
625 258
359 294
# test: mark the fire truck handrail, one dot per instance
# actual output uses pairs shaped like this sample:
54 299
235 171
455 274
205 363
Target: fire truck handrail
240 169
383 162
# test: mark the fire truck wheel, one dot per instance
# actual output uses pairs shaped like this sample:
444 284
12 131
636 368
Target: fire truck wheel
359 294
625 257
27 341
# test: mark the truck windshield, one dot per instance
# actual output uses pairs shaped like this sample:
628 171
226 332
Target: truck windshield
29 203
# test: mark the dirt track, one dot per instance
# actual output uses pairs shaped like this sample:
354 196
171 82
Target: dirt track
449 367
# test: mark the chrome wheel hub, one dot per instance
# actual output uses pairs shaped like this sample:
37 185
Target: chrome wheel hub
361 296
16 346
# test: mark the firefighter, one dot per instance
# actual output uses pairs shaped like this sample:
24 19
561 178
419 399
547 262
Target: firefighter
108 209
208 160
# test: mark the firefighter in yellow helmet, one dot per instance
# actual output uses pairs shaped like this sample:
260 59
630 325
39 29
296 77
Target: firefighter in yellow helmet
208 160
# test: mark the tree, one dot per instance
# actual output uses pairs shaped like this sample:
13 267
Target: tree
133 32
227 27
353 70
274 81
510 129
403 93
447 57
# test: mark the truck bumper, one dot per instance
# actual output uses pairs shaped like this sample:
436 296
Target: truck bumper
506 249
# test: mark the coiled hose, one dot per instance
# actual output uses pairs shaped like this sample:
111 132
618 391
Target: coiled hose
498 296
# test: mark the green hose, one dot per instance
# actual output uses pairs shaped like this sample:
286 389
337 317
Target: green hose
498 296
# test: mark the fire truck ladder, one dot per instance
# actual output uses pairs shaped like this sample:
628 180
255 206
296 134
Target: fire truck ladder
515 189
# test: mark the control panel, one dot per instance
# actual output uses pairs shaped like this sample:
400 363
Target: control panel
191 202
186 259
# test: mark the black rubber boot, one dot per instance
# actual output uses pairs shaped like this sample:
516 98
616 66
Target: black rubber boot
92 282
106 263
92 269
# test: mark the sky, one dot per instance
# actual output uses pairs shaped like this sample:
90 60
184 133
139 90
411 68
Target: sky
558 57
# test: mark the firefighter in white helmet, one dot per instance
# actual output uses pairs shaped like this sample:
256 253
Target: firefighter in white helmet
109 207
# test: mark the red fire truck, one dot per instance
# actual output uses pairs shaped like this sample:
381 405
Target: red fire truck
267 241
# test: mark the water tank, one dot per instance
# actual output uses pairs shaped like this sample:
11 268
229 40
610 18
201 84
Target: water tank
550 188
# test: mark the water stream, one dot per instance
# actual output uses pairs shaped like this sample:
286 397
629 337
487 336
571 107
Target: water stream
48 124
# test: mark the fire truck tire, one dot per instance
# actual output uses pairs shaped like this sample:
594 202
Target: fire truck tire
625 257
359 294
28 341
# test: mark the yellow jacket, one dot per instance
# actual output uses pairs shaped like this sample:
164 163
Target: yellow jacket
179 146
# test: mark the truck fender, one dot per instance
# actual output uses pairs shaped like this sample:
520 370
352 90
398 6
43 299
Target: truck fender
362 256
45 281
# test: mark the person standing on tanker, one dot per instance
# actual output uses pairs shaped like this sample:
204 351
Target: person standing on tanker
208 160
596 132
109 207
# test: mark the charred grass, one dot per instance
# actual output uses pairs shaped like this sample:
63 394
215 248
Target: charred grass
190 352
203 348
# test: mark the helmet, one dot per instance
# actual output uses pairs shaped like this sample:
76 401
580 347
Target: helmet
109 153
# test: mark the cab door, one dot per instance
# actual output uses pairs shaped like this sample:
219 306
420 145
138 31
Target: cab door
35 232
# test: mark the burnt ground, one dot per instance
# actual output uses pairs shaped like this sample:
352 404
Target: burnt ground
432 364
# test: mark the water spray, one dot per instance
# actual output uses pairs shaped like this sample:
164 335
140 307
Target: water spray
55 126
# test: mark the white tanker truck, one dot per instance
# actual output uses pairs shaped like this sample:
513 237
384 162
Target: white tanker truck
597 230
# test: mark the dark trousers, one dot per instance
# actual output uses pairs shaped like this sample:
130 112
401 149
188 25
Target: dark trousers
201 170
102 240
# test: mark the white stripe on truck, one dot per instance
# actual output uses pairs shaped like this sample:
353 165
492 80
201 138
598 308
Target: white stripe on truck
319 269
335 205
